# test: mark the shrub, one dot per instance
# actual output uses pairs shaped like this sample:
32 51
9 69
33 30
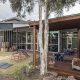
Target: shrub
29 69
18 74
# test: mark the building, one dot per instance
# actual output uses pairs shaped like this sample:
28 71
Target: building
13 32
64 33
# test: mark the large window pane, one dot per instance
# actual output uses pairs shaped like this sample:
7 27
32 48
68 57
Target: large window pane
14 37
53 41
29 35
53 38
19 39
23 37
53 48
29 41
75 43
64 43
69 40
29 46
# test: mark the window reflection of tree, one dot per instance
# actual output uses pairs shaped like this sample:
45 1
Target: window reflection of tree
29 37
53 38
53 41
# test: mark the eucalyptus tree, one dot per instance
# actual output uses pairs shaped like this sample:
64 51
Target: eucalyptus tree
48 6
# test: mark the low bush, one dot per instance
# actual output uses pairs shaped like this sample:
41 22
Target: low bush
29 69
23 72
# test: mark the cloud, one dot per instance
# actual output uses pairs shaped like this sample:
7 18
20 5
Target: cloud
5 11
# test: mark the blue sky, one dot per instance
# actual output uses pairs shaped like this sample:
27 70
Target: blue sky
6 12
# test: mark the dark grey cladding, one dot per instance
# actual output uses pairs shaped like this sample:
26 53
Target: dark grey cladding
6 26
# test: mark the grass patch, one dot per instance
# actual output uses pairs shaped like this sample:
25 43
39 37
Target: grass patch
2 54
16 64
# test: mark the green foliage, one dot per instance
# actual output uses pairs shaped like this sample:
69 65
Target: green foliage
29 69
18 74
53 5
23 6
58 5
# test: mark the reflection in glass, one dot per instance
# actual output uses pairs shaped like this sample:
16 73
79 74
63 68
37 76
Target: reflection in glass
53 48
53 38
29 35
19 39
53 41
69 40
29 46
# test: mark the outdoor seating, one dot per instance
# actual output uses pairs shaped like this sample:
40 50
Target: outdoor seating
69 51
76 63
59 56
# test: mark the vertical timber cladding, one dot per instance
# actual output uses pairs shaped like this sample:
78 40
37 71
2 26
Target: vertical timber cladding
79 43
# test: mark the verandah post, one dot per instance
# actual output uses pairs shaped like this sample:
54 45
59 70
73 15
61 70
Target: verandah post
34 55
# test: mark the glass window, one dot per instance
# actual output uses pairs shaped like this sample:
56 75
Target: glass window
29 40
14 37
74 42
53 41
53 48
29 46
23 37
69 39
53 38
19 39
29 35
64 43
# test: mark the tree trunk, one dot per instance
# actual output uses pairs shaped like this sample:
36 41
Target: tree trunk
43 42
41 39
46 29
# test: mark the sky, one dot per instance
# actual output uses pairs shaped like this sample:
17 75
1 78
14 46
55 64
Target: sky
6 12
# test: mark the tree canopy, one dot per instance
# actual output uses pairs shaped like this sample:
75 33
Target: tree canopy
56 6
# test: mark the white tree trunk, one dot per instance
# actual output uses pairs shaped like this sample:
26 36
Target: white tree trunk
40 36
46 32
43 42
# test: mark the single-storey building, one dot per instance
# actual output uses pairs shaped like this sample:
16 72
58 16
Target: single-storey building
64 33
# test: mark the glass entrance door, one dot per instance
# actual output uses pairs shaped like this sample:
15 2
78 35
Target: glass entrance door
54 41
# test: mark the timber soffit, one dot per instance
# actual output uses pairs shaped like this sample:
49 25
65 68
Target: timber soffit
58 19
